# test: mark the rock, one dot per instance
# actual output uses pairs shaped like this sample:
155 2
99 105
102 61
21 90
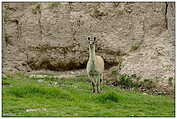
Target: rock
55 83
152 60
145 94
40 81
53 36
37 109
9 114
37 76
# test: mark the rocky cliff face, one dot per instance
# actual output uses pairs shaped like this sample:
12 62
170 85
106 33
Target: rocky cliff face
53 36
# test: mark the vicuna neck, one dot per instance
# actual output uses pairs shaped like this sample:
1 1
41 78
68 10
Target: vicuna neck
92 53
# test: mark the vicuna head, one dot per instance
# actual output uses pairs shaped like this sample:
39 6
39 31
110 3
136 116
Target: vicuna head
92 42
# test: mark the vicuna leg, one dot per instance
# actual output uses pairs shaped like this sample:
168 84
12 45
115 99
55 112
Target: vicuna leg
93 84
93 87
98 84
101 81
95 79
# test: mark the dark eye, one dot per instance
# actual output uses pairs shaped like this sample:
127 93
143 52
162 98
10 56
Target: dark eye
88 38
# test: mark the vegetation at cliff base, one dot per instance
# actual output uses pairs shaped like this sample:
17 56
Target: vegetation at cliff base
72 97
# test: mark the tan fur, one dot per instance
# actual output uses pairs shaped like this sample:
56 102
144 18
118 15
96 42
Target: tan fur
99 64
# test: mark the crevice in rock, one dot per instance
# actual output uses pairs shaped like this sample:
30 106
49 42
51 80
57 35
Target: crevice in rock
8 37
36 10
4 45
109 64
18 29
166 19
58 67
143 29
39 20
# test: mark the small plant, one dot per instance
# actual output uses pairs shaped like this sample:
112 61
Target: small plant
114 71
170 81
5 81
54 5
126 81
36 8
135 46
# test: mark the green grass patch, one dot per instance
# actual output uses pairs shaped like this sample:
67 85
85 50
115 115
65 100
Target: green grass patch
107 97
54 97
33 91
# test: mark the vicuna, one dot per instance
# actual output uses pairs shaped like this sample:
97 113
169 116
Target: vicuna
95 67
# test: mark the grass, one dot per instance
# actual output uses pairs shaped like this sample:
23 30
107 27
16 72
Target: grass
51 97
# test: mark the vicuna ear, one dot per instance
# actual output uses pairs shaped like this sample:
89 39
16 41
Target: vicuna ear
94 39
88 38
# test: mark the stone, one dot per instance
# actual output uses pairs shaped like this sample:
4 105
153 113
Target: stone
53 36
